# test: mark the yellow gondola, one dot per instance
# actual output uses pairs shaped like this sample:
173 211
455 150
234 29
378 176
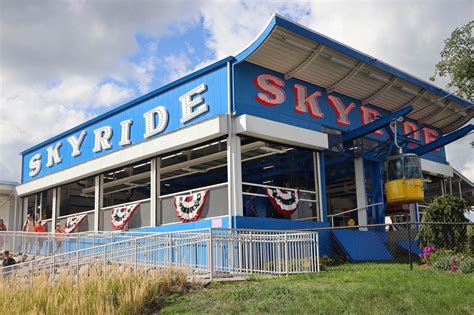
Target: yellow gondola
404 183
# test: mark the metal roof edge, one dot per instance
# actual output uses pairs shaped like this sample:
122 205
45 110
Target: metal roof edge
253 45
278 20
464 178
131 103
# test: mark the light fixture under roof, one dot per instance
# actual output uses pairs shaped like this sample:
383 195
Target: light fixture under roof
378 77
341 62
297 45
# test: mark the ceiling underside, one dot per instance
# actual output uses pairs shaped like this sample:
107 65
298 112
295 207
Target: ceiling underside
298 57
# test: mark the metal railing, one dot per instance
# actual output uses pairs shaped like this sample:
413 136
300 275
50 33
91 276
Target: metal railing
49 243
331 216
207 252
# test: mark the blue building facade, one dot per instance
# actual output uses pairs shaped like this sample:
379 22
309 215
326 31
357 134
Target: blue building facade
291 133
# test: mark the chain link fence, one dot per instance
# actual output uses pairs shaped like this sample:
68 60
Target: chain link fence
399 246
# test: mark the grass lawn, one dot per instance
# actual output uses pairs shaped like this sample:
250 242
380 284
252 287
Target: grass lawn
358 290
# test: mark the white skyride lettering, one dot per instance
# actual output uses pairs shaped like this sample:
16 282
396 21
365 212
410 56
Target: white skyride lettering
188 104
125 138
150 129
156 121
76 143
53 154
102 139
35 165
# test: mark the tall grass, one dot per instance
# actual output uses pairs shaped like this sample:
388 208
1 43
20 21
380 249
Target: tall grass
116 292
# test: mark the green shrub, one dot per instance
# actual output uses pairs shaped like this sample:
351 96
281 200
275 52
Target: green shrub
446 209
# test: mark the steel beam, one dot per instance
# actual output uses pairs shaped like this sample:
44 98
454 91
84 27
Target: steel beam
375 125
346 78
381 91
305 63
438 143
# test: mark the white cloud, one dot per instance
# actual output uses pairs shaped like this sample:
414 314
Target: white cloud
177 66
62 62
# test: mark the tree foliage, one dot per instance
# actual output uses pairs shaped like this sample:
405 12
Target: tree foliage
457 61
450 236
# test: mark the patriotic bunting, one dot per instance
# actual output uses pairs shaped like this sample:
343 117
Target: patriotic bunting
189 207
285 201
121 215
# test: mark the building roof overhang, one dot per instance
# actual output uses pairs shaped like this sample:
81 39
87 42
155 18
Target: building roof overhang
298 52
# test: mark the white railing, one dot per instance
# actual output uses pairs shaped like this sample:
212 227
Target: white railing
208 252
351 210
50 243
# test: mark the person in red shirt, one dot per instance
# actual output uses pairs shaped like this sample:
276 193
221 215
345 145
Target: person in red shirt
39 228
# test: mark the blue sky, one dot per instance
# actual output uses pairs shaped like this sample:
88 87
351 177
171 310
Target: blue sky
63 62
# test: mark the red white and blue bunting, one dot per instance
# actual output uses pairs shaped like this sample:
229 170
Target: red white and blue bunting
121 215
189 207
285 201
73 222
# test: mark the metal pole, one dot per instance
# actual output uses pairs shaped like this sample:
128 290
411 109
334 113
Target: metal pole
317 252
77 266
409 247
286 253
211 256
251 253
136 256
105 261
170 250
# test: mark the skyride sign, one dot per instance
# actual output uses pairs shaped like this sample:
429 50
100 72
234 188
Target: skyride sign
266 94
176 107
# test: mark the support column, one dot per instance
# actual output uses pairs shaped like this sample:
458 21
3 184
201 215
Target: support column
155 205
234 177
360 191
55 208
99 181
413 212
319 177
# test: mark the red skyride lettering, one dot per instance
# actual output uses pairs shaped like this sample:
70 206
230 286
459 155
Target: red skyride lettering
306 103
409 130
272 86
272 94
341 110
369 115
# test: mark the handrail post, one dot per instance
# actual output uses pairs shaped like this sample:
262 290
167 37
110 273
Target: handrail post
317 251
170 249
54 264
136 255
105 260
286 253
410 259
211 256
77 266
251 252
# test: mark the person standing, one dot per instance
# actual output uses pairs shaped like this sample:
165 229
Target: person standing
39 229
3 228
7 261
29 227
59 237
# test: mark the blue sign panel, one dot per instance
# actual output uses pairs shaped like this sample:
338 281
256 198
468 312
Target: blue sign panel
197 98
265 93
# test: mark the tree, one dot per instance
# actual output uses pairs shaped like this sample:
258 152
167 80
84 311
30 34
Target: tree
457 61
